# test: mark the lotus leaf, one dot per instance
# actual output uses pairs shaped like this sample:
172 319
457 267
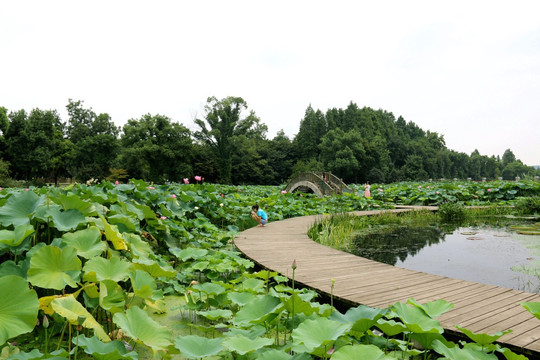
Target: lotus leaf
258 310
483 339
62 220
194 347
99 269
75 202
390 327
216 314
533 308
433 308
113 350
10 268
113 235
243 345
300 306
87 242
19 207
144 285
356 351
136 324
189 253
362 317
18 307
153 268
54 268
137 246
273 354
209 288
125 224
15 237
314 333
416 319
456 353
71 309
111 296
241 298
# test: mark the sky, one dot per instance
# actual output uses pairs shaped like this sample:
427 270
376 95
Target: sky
469 70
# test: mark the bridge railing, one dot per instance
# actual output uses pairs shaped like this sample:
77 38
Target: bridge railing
327 182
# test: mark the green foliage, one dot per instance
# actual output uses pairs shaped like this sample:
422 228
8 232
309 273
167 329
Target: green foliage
528 205
452 212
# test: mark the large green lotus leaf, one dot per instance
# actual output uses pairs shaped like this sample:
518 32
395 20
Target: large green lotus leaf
456 353
153 268
71 309
54 268
195 347
15 237
433 308
144 285
72 201
258 310
483 339
99 269
147 212
111 296
136 324
137 246
87 242
533 308
215 314
273 354
113 235
209 288
300 306
362 317
416 319
189 253
9 267
390 327
125 224
62 220
243 345
313 333
241 298
113 350
19 207
18 307
356 351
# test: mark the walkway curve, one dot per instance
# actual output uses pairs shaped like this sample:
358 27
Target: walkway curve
477 307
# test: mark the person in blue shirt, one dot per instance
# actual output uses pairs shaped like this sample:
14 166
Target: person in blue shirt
259 215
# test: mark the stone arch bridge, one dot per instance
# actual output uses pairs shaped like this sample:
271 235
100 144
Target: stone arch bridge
319 183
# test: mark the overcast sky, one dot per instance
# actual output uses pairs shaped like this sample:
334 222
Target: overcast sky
469 70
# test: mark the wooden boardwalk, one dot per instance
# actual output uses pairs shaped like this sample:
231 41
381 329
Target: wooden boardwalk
477 307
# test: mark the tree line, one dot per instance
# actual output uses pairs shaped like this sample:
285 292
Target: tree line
230 146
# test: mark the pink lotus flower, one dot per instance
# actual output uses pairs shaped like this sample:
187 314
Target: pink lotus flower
163 217
151 188
437 192
173 196
198 178
419 186
283 191
488 189
380 189
116 182
476 197
186 181
27 189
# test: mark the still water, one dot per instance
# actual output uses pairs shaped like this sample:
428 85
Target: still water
488 255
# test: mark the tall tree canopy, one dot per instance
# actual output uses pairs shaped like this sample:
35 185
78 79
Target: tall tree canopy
222 125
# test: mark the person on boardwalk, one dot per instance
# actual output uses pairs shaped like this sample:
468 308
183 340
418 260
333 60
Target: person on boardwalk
259 215
367 188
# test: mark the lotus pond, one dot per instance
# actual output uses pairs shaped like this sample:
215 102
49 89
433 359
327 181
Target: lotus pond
89 271
488 254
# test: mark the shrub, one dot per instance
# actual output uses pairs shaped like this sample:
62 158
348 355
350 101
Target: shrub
528 205
452 212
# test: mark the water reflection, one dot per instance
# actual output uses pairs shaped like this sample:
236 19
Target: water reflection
389 246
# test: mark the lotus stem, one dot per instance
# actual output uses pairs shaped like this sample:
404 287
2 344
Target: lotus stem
293 266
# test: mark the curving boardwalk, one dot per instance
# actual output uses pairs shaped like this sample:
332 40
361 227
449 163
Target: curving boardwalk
477 307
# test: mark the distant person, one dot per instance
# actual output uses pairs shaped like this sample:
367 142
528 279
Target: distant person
367 188
259 215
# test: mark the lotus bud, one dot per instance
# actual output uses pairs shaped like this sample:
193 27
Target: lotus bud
293 264
45 321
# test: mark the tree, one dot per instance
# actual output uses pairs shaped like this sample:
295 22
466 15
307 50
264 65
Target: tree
222 124
156 149
95 142
312 130
342 153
